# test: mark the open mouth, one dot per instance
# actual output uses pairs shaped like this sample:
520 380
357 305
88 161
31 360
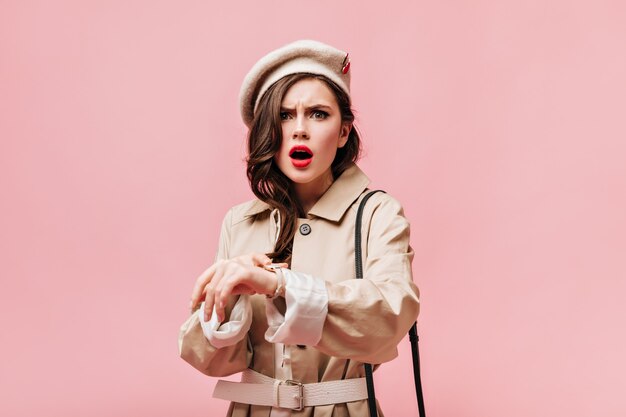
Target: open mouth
301 156
300 153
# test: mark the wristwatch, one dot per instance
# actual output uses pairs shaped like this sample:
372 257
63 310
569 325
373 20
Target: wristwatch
280 280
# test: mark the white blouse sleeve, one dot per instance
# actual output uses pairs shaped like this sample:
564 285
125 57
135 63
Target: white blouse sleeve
307 305
228 333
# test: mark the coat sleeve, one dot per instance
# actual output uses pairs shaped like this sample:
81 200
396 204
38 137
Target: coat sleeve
193 342
368 317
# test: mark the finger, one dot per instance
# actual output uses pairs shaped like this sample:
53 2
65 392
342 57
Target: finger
225 274
210 288
242 289
201 283
226 291
260 259
208 304
219 309
225 284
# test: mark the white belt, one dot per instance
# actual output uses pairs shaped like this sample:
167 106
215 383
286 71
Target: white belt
256 388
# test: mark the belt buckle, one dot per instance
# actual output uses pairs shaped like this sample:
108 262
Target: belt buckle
300 397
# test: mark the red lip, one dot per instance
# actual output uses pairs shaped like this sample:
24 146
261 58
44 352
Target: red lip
300 148
300 163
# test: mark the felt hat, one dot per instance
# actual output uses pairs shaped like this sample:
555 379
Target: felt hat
300 56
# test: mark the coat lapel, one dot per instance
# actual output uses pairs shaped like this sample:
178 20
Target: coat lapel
335 201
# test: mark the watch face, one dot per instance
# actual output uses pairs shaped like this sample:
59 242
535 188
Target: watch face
271 267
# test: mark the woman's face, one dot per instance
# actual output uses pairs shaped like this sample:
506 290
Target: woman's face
312 131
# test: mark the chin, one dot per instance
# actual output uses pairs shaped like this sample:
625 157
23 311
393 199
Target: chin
300 178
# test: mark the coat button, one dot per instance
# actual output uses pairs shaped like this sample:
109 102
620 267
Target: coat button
305 229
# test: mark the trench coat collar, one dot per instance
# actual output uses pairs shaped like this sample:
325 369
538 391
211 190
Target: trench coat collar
335 201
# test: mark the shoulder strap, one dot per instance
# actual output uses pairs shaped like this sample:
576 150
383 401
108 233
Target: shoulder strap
369 378
371 395
357 233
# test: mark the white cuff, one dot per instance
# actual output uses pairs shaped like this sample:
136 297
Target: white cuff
307 306
227 334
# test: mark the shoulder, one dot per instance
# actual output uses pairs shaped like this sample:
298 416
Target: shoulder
379 202
382 214
245 210
384 219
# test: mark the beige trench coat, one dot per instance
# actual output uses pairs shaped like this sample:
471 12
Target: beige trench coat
366 318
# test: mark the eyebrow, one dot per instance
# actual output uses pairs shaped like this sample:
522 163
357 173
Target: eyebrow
315 106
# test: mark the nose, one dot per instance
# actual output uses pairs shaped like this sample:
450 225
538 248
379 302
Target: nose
300 128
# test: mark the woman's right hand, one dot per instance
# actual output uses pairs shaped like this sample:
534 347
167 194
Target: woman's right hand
241 269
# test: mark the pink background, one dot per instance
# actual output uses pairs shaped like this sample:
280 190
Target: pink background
498 124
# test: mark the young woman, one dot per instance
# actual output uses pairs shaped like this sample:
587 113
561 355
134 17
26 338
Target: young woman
301 328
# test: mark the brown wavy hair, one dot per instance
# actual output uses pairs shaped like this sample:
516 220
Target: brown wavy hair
266 180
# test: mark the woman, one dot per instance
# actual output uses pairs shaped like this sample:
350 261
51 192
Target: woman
301 328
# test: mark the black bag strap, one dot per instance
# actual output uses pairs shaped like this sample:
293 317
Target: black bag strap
413 337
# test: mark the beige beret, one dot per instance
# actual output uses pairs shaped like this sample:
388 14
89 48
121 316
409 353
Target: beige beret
300 56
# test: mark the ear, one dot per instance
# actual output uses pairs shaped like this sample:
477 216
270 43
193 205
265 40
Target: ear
346 128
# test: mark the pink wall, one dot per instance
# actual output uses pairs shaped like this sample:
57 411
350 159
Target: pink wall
499 125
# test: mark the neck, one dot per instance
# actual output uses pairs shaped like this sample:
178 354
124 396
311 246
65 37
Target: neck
308 194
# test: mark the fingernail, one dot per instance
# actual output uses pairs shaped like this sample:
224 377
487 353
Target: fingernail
206 317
